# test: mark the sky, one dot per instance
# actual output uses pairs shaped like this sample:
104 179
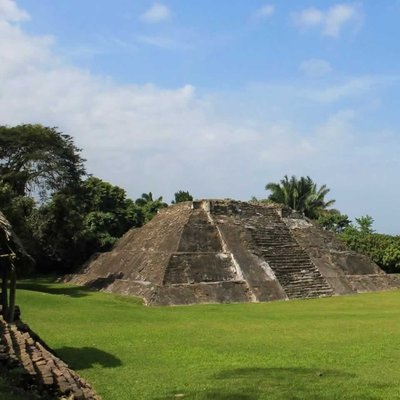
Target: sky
217 98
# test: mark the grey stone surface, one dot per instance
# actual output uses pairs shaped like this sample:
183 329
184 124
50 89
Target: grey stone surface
35 368
211 251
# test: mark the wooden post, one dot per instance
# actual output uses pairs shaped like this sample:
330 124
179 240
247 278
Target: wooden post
4 287
13 289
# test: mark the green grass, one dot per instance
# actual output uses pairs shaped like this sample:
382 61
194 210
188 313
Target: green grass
325 349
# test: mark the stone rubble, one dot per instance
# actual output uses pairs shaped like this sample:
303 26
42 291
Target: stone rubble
38 368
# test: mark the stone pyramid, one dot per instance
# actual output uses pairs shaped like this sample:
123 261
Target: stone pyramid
218 251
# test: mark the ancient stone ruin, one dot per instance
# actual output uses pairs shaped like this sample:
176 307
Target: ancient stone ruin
25 359
34 368
217 251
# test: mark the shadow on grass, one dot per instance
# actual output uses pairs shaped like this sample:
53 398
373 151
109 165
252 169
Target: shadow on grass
277 384
281 373
72 291
87 357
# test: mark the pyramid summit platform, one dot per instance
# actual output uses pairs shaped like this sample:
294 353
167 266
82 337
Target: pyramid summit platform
219 251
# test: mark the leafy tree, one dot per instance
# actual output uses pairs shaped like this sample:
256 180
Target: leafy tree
108 212
75 218
38 158
383 249
149 205
391 257
301 195
58 230
182 196
365 224
70 227
334 221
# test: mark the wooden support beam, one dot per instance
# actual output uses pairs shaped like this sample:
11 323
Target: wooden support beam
4 287
13 289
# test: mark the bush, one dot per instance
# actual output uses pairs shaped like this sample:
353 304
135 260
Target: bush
383 249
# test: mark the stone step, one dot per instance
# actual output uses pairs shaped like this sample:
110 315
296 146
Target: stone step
282 263
286 257
292 266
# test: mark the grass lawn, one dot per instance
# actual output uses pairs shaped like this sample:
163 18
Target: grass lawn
325 349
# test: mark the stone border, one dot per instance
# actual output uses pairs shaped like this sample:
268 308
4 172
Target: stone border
35 368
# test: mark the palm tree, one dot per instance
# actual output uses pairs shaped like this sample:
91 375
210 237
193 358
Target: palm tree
149 205
301 195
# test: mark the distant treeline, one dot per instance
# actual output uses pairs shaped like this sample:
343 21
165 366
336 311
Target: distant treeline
303 195
61 214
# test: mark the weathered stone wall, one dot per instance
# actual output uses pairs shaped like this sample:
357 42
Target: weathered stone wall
37 368
210 251
341 267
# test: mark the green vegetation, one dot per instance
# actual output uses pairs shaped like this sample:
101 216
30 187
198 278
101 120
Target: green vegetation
61 214
6 393
70 227
334 221
34 157
383 249
301 195
324 349
181 196
149 205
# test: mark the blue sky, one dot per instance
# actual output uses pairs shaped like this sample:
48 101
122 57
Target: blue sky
218 98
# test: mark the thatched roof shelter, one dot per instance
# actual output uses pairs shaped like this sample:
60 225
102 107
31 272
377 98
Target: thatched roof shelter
11 249
9 241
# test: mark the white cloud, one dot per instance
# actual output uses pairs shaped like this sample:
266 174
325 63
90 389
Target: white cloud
330 21
9 11
163 42
147 138
350 88
265 11
156 13
315 68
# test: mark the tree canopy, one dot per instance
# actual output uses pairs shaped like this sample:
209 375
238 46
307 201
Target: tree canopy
149 205
383 249
182 196
34 157
334 221
301 195
71 227
79 215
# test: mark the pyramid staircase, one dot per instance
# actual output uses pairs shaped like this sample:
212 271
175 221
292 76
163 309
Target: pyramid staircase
297 274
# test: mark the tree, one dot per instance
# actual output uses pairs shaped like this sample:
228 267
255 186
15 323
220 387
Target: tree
334 221
38 158
383 249
58 231
149 205
108 212
301 195
365 223
70 227
182 196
